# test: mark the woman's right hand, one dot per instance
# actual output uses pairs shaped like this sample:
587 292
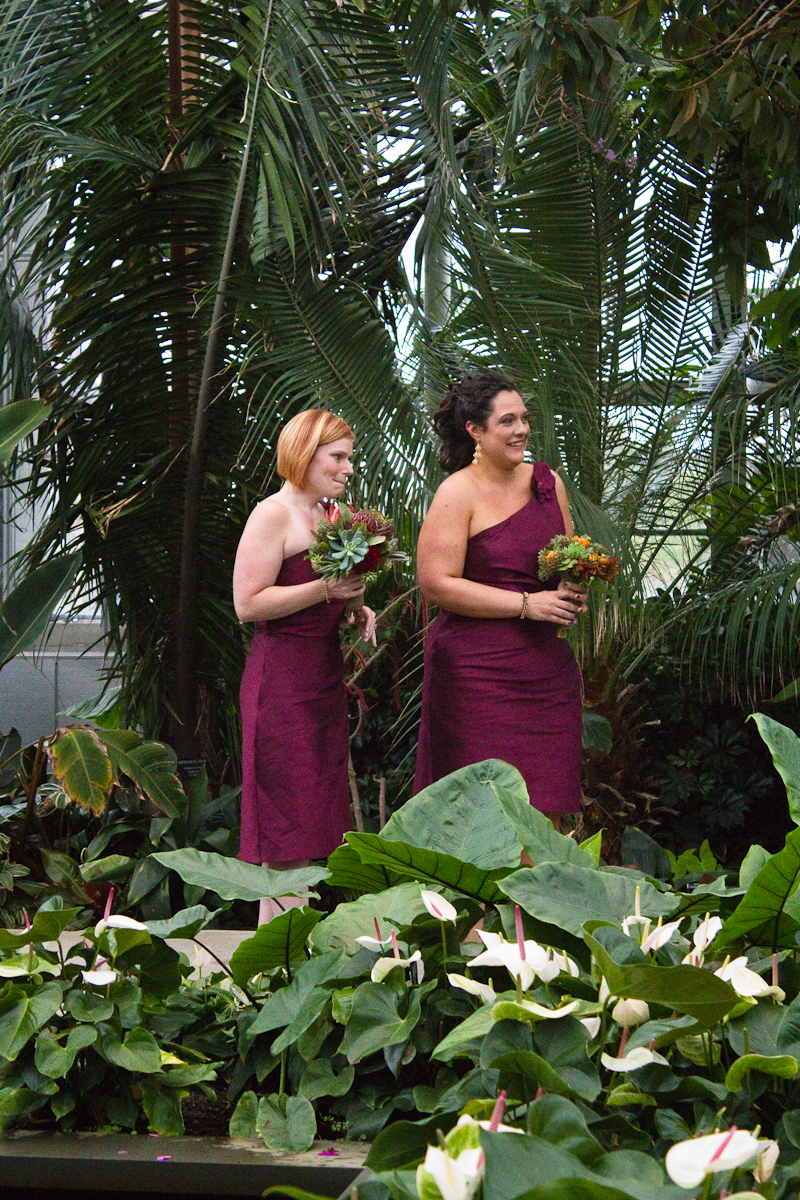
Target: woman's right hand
347 587
560 607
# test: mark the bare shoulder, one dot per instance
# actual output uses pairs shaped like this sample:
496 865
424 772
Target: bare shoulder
560 489
268 522
456 492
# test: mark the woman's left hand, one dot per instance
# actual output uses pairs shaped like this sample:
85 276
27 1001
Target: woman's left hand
366 621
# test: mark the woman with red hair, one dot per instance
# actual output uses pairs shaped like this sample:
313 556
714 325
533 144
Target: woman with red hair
295 733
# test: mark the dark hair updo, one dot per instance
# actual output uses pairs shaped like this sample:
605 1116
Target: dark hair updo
470 399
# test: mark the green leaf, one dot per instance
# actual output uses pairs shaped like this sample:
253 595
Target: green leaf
691 990
26 611
185 924
392 908
592 846
114 867
536 832
21 1015
627 1093
428 866
405 1143
752 863
522 1072
784 746
243 1119
151 768
88 1006
286 1123
319 1079
137 1052
785 1066
17 1102
460 816
767 913
375 1021
283 1006
162 1106
311 1009
278 943
47 926
17 420
567 896
54 1059
597 733
476 1026
234 880
348 871
82 767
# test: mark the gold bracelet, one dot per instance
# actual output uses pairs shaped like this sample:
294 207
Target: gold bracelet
524 612
327 597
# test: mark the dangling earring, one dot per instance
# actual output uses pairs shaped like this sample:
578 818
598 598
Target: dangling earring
476 456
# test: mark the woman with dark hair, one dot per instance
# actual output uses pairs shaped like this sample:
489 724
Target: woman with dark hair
295 735
498 682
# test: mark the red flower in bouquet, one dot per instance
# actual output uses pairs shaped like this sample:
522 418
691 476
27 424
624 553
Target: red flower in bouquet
370 563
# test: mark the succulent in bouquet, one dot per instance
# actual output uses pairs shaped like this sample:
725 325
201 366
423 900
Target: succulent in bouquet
353 541
578 559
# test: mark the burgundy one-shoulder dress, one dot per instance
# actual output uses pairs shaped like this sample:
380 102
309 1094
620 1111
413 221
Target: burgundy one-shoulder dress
501 687
294 732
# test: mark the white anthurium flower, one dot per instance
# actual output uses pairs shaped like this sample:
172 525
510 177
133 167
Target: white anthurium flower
495 1127
372 943
640 1056
117 922
767 1159
455 1178
500 953
487 994
101 976
591 1025
688 1163
628 1013
743 981
604 994
558 964
660 936
703 936
384 965
636 918
438 907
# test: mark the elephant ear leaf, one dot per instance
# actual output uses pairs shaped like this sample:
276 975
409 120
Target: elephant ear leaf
784 746
769 911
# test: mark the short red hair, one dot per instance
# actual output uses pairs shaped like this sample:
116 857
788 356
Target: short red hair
301 437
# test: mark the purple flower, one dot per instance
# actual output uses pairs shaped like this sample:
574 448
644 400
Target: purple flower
631 161
597 146
610 155
329 1153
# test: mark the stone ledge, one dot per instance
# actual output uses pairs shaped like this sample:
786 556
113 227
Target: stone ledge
85 1162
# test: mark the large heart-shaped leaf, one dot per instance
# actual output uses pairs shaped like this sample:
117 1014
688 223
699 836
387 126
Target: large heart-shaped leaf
286 1123
784 746
278 943
82 767
691 990
428 866
21 1015
567 895
48 925
137 1052
460 816
769 911
54 1056
375 1020
234 880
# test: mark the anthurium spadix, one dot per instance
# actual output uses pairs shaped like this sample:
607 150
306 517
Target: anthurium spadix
115 922
688 1163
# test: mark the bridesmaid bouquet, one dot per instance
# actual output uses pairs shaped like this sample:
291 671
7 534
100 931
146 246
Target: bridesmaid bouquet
353 542
578 558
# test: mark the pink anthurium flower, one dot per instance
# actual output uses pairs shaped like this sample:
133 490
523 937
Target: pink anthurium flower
688 1163
438 907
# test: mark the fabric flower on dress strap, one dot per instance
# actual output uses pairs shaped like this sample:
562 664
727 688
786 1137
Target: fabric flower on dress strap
543 483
